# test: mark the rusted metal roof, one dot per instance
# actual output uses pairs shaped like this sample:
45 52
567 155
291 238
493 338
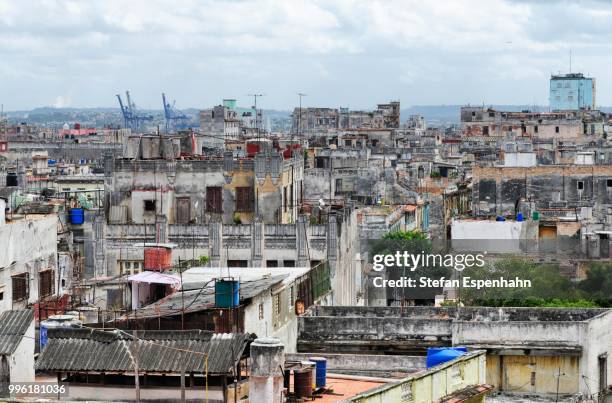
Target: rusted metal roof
159 351
201 296
13 326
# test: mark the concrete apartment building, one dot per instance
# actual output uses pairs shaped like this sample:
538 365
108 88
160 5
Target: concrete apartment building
564 190
572 91
28 260
219 124
301 244
152 180
328 120
580 126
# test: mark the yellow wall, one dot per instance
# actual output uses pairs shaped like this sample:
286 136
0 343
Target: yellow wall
515 375
434 384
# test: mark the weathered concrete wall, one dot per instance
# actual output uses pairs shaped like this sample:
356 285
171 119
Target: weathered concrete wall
496 190
276 185
22 360
377 365
431 385
60 151
29 246
534 375
546 335
597 345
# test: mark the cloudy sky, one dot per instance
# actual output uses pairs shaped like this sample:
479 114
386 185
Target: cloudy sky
339 52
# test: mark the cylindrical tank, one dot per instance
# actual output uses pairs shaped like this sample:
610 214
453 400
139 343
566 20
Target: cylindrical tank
157 258
54 322
227 293
321 377
302 383
267 362
11 179
77 216
287 379
312 365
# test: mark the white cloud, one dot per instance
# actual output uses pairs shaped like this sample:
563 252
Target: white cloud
209 49
62 101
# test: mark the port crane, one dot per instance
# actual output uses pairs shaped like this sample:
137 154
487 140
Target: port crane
131 118
174 119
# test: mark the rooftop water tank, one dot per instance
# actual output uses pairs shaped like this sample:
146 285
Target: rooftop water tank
437 356
56 322
227 293
76 216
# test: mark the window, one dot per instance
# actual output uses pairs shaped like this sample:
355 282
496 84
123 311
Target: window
261 312
338 185
237 263
580 185
271 263
244 199
290 298
556 129
45 283
285 199
288 263
535 129
213 199
150 205
183 210
276 304
485 130
21 286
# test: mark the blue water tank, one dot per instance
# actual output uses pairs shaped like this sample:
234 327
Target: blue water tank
54 322
321 364
77 216
500 218
437 356
227 293
519 217
51 162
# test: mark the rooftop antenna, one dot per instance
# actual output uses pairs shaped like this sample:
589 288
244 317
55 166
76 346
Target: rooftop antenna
570 60
299 128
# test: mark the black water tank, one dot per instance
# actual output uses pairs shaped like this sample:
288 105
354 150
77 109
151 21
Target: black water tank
11 179
302 383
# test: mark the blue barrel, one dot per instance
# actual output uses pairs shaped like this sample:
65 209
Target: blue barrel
439 355
227 293
77 216
321 363
43 335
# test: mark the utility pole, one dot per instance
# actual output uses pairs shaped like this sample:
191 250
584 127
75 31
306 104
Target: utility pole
299 129
135 352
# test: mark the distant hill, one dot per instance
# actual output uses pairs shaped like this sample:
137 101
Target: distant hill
436 115
450 114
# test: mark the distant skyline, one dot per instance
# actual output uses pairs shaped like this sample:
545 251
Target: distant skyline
338 52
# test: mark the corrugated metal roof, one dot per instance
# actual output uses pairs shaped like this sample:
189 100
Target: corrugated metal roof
13 325
158 351
201 297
